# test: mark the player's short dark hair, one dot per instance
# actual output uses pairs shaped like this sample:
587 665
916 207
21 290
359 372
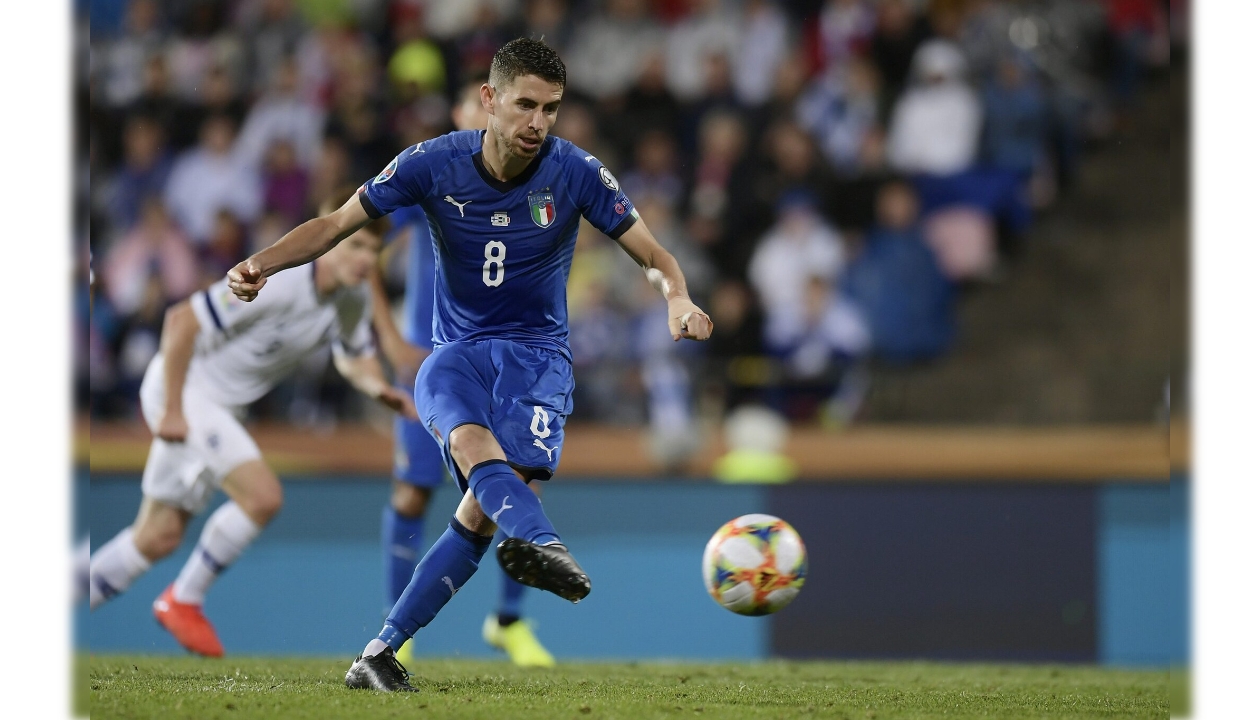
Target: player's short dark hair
525 56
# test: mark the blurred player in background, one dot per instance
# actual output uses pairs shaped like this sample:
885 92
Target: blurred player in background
503 205
82 568
82 557
418 464
217 355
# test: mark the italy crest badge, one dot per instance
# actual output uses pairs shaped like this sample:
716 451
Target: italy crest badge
542 208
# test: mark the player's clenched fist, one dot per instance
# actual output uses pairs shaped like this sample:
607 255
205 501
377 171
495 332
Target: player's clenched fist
173 427
688 321
399 401
246 279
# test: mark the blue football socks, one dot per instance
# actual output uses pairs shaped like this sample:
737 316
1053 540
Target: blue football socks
401 538
441 573
509 503
511 594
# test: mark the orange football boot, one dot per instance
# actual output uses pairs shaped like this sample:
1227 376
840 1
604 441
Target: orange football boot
187 624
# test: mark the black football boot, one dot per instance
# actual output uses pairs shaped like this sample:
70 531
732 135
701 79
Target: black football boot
381 671
546 567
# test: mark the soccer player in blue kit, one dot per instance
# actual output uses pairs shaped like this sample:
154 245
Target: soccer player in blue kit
503 206
418 464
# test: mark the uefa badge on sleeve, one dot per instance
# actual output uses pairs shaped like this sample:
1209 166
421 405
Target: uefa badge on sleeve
387 173
542 208
609 181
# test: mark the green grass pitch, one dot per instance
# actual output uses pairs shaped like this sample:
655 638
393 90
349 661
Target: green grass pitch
162 687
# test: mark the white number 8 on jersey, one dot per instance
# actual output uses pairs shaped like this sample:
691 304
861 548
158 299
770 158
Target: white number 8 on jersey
542 419
492 271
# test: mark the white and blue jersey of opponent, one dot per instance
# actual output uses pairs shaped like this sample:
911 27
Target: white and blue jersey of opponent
503 206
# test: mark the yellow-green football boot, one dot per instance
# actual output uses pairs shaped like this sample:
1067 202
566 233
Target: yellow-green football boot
404 653
518 641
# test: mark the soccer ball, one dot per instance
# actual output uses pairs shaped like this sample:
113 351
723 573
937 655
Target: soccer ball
754 565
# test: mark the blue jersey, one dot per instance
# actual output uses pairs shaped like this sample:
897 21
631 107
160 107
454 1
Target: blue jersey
413 228
502 249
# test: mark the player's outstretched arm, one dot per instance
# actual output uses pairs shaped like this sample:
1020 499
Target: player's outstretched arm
365 374
179 335
686 319
299 246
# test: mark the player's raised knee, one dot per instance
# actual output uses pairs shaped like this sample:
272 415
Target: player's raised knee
472 444
254 487
265 502
156 540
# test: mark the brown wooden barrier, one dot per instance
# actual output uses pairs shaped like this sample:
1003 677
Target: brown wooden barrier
1083 453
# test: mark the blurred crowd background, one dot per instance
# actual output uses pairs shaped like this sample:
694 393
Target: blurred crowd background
837 177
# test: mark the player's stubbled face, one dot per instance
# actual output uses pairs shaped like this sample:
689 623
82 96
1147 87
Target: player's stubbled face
524 112
354 258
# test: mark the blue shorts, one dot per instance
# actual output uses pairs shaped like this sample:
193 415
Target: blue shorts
523 394
417 458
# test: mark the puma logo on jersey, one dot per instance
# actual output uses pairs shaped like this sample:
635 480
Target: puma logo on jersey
457 204
589 158
417 150
450 585
495 517
539 444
